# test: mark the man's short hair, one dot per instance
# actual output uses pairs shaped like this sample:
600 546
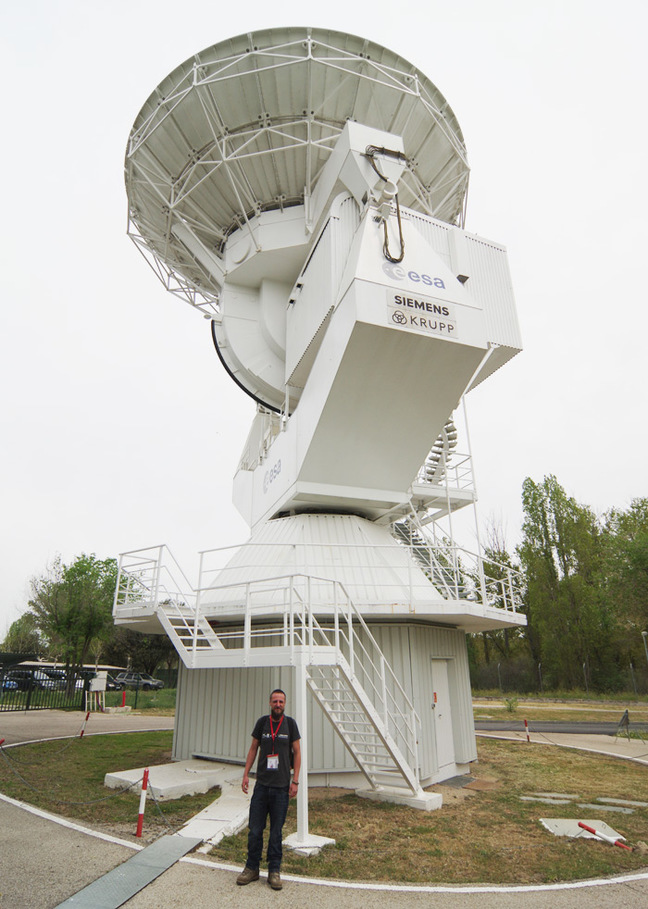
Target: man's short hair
277 691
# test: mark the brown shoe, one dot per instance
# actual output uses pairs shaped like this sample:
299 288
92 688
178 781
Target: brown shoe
274 879
247 876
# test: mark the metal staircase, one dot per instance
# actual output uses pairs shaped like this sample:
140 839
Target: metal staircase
317 625
376 723
189 632
435 467
361 729
457 573
438 567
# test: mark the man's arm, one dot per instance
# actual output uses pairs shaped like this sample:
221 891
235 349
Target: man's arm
251 755
294 785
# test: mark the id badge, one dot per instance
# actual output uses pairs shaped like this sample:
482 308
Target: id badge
273 762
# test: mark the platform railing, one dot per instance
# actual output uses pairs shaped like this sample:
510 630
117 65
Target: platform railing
148 577
447 571
455 472
294 612
315 614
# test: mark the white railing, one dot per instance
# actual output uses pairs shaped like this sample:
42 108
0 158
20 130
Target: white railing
446 570
148 577
151 576
455 472
312 613
460 574
292 612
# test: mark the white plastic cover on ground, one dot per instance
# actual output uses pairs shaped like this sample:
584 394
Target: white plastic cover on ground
563 826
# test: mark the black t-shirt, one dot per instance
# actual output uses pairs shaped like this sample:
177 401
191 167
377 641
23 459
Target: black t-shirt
286 732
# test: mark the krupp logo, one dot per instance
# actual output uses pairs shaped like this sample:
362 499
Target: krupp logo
397 273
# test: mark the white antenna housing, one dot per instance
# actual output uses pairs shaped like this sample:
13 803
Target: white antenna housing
305 191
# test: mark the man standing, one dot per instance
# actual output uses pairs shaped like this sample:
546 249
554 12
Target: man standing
278 737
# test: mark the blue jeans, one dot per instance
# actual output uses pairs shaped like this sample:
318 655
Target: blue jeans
272 801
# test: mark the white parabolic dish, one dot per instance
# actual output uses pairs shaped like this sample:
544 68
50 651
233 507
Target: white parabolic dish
247 125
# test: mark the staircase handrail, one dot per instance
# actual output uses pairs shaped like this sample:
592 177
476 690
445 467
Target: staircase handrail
301 628
409 716
142 580
438 570
482 585
456 472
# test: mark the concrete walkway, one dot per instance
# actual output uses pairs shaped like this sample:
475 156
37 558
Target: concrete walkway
36 725
226 815
62 858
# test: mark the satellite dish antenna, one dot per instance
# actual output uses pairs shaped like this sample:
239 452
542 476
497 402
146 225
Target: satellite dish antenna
305 190
244 129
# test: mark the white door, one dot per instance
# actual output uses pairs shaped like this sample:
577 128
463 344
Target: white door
442 714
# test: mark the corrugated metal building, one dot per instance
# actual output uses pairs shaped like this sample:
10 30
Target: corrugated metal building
217 708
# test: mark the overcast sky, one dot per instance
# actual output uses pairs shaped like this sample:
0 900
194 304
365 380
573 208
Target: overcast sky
119 427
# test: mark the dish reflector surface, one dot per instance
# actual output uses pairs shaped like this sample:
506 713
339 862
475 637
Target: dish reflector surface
246 126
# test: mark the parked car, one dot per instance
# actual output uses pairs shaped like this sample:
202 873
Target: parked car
31 678
138 680
58 676
9 684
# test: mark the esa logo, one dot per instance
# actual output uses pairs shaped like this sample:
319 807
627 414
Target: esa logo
271 474
397 273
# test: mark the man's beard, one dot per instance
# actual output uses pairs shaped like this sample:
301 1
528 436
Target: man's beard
277 712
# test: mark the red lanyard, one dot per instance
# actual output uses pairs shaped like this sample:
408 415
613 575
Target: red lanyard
274 734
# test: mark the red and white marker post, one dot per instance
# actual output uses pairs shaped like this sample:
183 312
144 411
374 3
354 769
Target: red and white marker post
142 804
84 724
526 726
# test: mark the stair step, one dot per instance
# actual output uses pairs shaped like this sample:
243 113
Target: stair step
377 750
360 729
373 751
352 720
360 726
372 763
349 713
360 744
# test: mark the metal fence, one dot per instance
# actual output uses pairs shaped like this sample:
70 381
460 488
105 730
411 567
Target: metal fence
524 677
168 676
34 689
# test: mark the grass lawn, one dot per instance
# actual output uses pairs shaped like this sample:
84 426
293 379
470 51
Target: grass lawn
66 777
160 703
488 836
576 711
478 836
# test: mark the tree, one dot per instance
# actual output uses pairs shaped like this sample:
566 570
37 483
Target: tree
490 650
628 553
23 636
572 628
72 606
626 535
143 652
